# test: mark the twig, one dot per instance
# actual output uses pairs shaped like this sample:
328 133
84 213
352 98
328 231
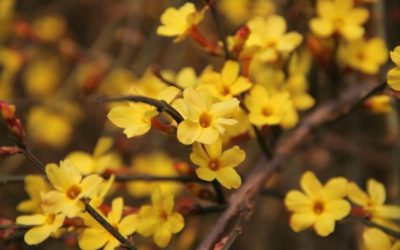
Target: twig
261 142
104 223
160 105
157 72
369 223
252 187
218 192
221 33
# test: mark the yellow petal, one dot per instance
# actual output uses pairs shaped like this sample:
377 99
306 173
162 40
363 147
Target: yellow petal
388 211
395 55
289 41
103 145
324 225
83 161
169 94
208 135
175 222
229 178
230 72
199 155
188 132
232 157
356 195
214 150
162 237
301 221
206 174
297 201
321 27
338 208
37 219
89 185
375 239
352 32
28 206
114 216
226 108
241 84
195 100
393 78
56 177
128 224
310 184
93 238
335 188
37 235
377 192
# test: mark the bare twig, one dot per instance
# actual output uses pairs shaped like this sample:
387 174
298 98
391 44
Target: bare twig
157 72
331 111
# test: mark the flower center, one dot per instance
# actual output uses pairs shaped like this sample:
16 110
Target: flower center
225 90
267 111
73 192
205 120
213 165
319 207
163 216
50 219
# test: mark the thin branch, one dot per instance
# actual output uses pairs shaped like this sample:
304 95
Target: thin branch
104 223
219 192
159 104
157 72
246 195
261 142
221 33
369 223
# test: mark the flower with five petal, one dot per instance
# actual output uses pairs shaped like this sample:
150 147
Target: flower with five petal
339 17
159 219
179 22
43 226
372 203
226 84
204 118
318 206
217 164
70 188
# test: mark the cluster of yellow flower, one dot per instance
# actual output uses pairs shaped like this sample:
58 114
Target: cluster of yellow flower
319 206
59 206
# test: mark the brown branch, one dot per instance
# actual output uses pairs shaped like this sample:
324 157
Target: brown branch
157 72
246 195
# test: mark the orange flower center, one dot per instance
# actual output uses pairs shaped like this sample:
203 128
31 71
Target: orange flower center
214 165
73 192
267 111
50 219
319 207
205 120
225 91
163 215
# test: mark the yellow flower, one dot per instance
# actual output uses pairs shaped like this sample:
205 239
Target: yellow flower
57 131
379 104
117 82
34 186
159 219
373 201
95 236
43 226
226 84
50 28
269 35
375 239
266 109
319 206
179 22
364 55
101 160
98 196
393 77
238 11
135 118
204 118
339 17
70 189
217 164
42 76
155 164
